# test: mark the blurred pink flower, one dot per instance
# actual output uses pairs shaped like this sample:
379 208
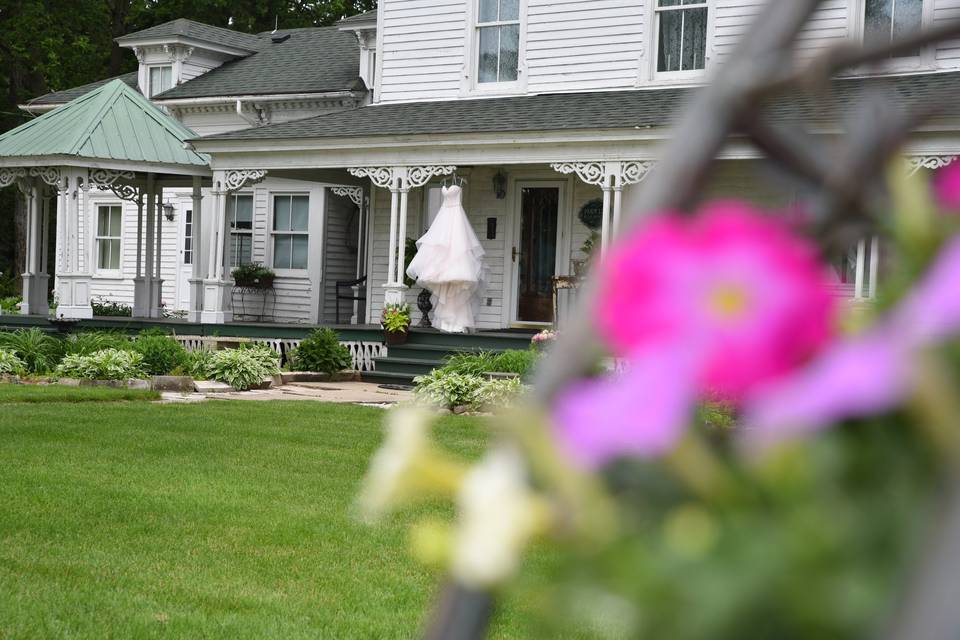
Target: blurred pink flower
750 296
946 186
867 374
641 412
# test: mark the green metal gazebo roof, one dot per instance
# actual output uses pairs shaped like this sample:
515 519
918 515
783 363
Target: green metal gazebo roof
113 125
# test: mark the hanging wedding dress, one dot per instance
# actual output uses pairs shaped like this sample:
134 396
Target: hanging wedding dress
449 262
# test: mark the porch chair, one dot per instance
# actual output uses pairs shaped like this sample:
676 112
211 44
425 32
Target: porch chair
353 295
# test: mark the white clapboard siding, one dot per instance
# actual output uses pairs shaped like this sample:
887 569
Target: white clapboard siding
423 51
340 256
574 45
734 18
948 53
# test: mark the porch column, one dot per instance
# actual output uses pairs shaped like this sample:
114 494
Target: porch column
399 179
217 301
196 241
157 285
143 284
34 277
611 176
73 283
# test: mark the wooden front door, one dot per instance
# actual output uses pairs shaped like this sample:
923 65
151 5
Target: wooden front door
536 253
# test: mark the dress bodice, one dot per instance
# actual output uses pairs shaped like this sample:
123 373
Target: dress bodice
452 196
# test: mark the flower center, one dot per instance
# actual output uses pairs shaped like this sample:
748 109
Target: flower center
728 301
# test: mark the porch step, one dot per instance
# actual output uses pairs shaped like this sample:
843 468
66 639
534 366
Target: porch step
380 377
407 366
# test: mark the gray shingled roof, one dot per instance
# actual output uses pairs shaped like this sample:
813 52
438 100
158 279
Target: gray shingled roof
360 18
62 97
311 60
196 30
634 109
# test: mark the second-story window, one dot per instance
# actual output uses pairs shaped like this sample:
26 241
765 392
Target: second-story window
888 20
498 34
681 35
161 79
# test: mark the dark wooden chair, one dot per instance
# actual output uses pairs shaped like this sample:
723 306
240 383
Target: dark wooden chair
345 291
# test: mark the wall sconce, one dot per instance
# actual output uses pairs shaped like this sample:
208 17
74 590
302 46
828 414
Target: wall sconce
168 211
500 184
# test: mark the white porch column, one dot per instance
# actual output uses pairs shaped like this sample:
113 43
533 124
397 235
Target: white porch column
156 286
34 277
217 300
399 180
73 282
143 284
611 176
198 273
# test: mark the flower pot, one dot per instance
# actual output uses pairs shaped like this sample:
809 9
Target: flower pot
396 337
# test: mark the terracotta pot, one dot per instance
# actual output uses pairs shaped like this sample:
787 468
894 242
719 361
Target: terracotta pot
396 337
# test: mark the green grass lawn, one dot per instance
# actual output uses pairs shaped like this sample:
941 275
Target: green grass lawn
63 393
210 520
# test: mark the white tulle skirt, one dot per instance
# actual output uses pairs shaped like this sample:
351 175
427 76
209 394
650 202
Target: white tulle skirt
449 262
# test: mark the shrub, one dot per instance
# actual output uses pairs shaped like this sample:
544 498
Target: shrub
86 342
244 367
109 308
39 351
107 364
510 361
499 394
9 305
10 364
161 354
321 351
197 364
448 389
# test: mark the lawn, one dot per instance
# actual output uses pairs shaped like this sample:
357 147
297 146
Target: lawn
214 520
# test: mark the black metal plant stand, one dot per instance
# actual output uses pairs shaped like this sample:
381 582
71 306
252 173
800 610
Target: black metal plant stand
253 303
425 306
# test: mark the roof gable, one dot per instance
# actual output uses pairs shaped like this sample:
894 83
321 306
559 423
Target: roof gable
183 28
113 122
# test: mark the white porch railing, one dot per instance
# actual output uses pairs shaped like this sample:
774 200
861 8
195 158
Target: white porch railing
363 354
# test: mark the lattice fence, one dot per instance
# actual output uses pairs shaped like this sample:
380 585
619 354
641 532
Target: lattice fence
363 353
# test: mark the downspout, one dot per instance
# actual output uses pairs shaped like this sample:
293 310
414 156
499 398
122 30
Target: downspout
253 122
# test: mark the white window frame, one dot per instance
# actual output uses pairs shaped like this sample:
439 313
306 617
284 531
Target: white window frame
159 67
654 21
232 232
471 80
272 233
101 271
857 16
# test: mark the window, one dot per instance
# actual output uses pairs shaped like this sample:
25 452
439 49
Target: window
240 215
498 35
681 35
161 79
108 237
887 20
291 222
188 237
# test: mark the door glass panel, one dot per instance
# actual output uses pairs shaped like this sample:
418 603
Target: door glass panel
537 253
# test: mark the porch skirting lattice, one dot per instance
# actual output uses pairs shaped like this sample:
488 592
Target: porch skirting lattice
362 353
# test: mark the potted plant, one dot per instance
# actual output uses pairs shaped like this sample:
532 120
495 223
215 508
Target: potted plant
253 275
395 321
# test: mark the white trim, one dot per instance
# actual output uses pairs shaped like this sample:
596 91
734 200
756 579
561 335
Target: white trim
133 43
93 210
653 22
470 85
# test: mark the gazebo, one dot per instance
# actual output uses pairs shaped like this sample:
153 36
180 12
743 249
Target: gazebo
109 139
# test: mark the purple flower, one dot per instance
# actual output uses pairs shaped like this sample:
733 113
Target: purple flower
641 412
946 186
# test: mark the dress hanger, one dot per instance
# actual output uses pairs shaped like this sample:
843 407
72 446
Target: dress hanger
453 180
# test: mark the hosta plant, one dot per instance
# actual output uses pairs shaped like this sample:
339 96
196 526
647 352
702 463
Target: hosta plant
243 368
38 350
10 364
106 364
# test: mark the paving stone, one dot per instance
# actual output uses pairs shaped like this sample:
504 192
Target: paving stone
212 386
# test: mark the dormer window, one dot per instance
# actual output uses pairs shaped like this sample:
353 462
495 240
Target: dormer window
681 35
161 79
888 20
498 37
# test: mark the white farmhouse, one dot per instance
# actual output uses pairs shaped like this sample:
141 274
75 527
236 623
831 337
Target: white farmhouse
319 152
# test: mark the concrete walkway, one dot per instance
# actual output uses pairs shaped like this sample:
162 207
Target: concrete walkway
365 393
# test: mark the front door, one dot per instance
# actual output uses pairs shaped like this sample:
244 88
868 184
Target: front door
185 255
535 252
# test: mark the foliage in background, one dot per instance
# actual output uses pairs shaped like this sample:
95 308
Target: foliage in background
107 364
161 354
84 343
38 350
321 351
244 367
10 304
10 364
108 309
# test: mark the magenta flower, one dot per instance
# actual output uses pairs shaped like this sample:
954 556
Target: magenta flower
641 412
946 186
865 375
751 296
